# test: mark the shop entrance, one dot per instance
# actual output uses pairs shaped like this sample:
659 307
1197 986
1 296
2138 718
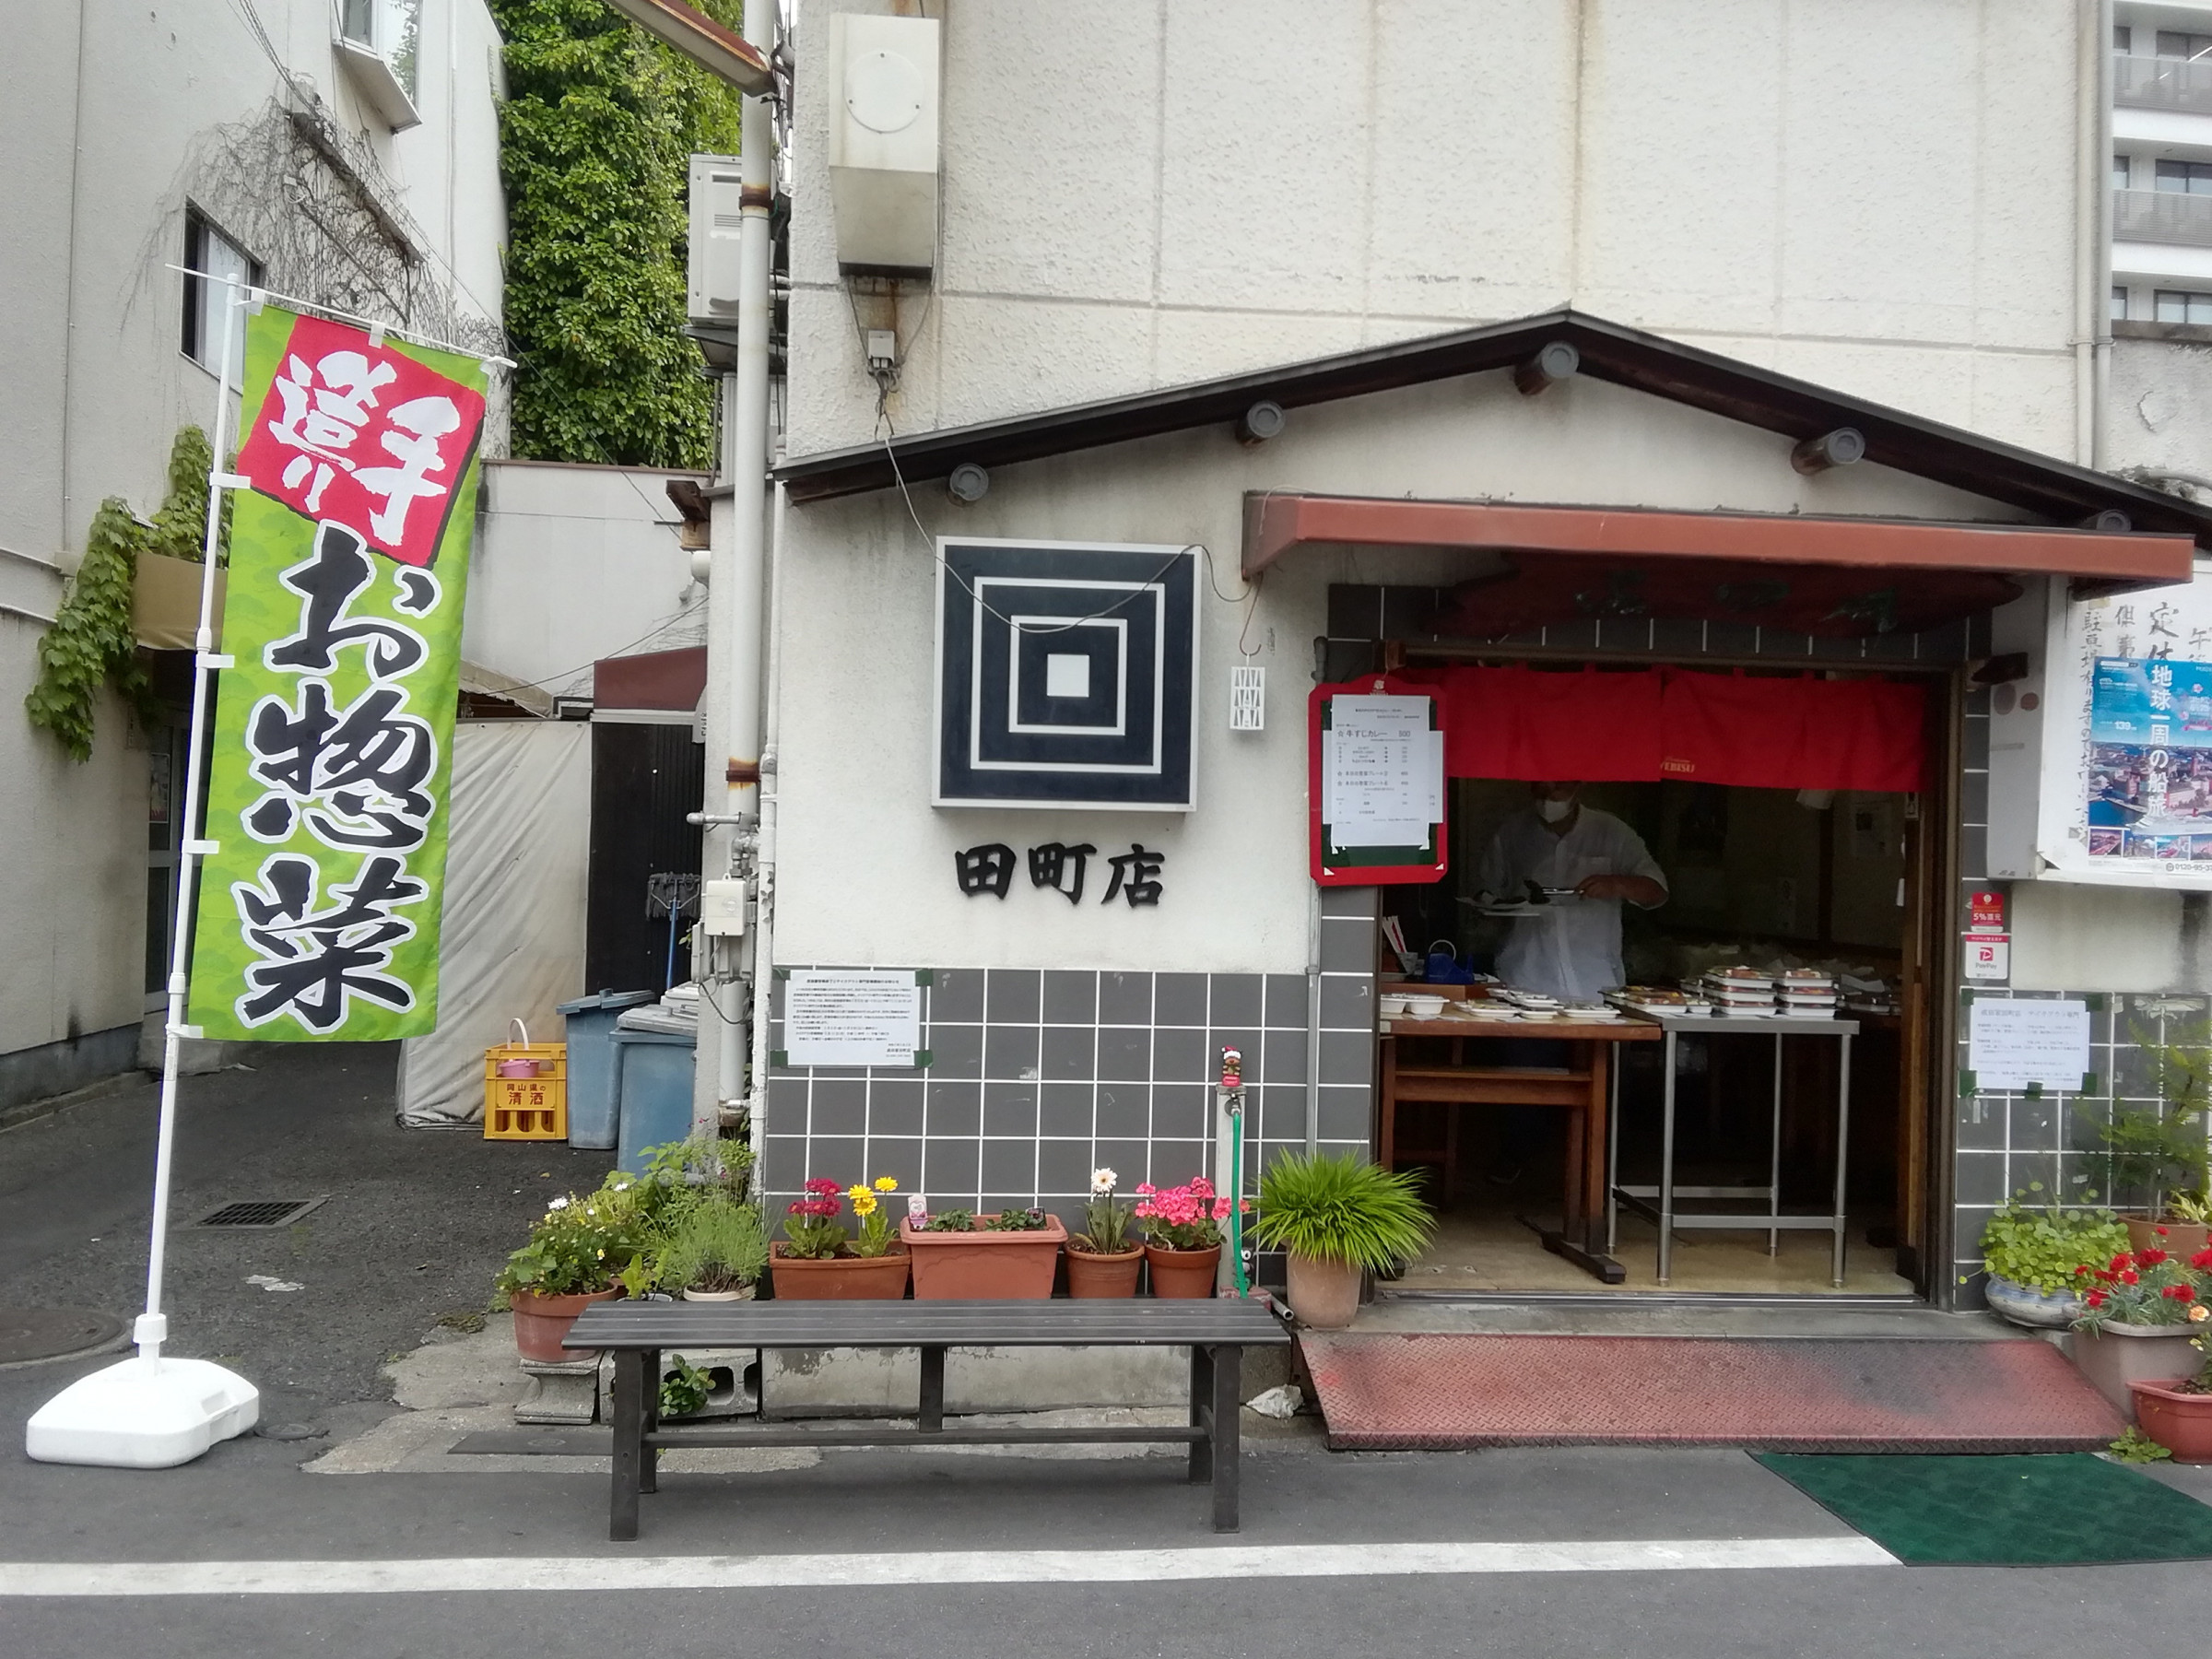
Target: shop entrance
1791 894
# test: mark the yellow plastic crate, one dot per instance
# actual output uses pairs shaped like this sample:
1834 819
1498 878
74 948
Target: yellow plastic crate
533 1108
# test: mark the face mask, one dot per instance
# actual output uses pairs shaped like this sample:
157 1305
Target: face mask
1551 812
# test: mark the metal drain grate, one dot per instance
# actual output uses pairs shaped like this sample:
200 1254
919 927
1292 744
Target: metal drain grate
259 1212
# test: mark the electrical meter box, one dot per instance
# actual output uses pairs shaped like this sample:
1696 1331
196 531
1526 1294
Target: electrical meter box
717 190
722 908
882 90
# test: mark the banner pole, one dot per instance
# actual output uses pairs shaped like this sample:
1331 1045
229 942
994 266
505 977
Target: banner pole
147 1412
152 1326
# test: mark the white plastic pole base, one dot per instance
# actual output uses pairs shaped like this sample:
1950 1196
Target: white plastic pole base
143 1413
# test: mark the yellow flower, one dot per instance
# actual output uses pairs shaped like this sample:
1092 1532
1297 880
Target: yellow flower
863 1202
886 1183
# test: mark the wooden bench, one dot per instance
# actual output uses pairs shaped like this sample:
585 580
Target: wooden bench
1217 1333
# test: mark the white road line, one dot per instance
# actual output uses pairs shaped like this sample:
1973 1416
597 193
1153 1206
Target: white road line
935 1567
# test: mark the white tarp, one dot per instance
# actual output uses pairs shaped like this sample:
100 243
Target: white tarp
518 852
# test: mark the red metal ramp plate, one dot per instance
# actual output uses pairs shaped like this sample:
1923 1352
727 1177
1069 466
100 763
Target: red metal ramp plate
1796 1394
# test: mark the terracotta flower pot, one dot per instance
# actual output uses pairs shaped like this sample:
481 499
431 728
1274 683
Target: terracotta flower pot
1103 1276
2118 1355
1186 1274
1325 1295
840 1277
2180 1240
540 1322
984 1267
2180 1422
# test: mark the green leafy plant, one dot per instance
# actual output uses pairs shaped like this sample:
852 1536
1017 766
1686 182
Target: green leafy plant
2045 1247
1105 1219
594 140
581 1244
2136 1447
2164 1149
1343 1209
712 1244
2146 1288
951 1220
684 1388
93 641
1018 1220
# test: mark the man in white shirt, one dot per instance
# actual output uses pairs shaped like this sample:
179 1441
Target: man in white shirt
1570 948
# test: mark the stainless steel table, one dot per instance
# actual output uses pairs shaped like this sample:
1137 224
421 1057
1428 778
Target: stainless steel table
1656 1204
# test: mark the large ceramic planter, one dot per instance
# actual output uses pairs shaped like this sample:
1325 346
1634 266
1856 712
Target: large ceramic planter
1185 1274
2121 1354
837 1278
2041 1310
2180 1239
984 1267
1097 1277
540 1322
2180 1422
1325 1295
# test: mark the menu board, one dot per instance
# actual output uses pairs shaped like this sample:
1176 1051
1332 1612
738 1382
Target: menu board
850 1016
2021 1043
1383 772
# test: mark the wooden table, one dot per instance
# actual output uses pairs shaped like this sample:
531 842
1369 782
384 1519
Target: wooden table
1217 1332
1583 1090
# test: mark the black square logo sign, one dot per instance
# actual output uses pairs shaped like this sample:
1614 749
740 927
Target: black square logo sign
1065 673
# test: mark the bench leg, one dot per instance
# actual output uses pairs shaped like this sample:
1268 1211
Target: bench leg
649 1461
628 1447
1228 1377
1202 1400
932 1414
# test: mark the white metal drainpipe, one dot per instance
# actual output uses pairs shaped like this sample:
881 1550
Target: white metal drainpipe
735 588
771 791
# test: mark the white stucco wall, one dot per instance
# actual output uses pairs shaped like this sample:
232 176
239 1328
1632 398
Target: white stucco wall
866 871
1876 195
573 564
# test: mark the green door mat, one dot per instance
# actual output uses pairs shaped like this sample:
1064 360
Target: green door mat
2043 1511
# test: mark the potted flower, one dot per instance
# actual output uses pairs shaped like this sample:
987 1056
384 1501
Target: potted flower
1338 1217
957 1256
2178 1415
712 1251
818 1259
576 1254
2139 1313
1183 1236
2162 1148
2036 1258
1102 1262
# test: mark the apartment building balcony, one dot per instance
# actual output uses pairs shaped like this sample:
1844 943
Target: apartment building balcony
2176 218
2180 84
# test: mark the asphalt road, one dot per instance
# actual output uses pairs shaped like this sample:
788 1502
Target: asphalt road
414 1226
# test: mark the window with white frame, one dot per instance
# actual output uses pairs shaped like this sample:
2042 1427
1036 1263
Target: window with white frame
388 28
2181 305
211 260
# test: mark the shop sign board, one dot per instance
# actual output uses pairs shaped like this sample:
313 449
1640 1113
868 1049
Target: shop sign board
326 801
2125 787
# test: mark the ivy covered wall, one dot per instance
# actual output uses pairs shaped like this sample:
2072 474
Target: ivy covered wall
595 138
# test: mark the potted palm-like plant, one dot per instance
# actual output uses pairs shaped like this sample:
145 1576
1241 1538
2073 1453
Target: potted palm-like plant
1102 1262
1337 1217
713 1251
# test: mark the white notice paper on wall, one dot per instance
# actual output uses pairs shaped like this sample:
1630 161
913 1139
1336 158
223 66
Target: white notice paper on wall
856 1017
1382 773
2012 1043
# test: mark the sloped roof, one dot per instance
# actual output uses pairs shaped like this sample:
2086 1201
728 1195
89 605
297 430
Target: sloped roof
2054 489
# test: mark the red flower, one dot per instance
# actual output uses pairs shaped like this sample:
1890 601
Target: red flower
2081 1272
2159 1231
2103 1276
2121 1262
821 1186
2149 1258
2202 1260
2095 1299
2130 1276
2179 1293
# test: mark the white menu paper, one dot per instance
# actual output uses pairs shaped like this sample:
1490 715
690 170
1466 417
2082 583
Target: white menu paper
853 1016
2014 1042
1382 773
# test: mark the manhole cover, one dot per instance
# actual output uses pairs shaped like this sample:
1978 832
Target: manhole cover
259 1212
49 1333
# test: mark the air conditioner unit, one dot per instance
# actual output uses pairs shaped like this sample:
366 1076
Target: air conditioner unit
717 189
883 142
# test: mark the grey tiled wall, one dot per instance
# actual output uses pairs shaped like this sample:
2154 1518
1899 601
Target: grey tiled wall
1038 1077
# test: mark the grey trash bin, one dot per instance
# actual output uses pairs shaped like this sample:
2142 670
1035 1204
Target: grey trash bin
591 1027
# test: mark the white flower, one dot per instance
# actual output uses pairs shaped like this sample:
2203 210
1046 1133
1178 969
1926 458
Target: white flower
622 1187
1102 1182
557 1204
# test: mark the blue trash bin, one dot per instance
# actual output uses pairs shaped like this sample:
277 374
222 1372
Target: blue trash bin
590 1021
652 1088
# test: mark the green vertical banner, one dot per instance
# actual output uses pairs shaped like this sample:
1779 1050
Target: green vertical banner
319 909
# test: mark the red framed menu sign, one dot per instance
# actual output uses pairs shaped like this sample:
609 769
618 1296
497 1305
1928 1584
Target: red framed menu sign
1375 794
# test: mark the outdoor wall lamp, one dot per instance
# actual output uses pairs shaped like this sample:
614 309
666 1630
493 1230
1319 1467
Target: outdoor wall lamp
1843 447
1264 420
968 483
1554 364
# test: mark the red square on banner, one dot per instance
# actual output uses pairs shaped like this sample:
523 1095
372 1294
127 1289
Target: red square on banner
1985 913
361 435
